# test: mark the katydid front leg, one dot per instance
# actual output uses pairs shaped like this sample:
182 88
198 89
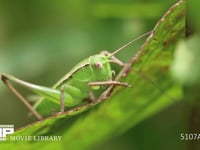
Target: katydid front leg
113 59
106 94
109 83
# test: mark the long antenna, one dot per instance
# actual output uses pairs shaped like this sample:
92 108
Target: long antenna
127 44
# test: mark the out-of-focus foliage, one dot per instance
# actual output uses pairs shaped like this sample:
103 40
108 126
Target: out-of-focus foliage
193 18
186 69
41 40
127 107
186 62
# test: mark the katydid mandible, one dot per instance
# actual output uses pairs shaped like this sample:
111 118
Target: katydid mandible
81 82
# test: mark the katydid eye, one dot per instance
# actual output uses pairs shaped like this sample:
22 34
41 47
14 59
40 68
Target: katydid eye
98 65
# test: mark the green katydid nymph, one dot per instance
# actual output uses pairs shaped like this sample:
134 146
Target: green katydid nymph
87 77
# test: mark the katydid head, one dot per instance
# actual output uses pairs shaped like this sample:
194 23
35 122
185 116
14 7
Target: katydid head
100 67
98 61
129 43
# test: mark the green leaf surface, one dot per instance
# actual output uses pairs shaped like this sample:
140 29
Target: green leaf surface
153 90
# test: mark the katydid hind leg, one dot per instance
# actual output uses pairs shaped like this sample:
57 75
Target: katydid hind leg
21 98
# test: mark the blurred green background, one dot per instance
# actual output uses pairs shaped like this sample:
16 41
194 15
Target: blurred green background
41 40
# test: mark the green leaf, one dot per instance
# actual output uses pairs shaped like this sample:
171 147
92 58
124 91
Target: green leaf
153 90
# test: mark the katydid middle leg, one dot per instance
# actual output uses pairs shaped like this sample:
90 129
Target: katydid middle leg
65 95
62 98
